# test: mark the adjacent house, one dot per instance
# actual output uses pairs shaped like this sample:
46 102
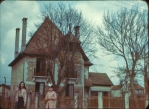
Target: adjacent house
4 95
29 66
100 82
4 90
119 90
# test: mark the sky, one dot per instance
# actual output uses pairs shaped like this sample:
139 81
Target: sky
12 12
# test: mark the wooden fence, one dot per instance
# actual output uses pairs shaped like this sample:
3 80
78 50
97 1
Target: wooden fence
91 102
141 103
113 102
66 102
5 103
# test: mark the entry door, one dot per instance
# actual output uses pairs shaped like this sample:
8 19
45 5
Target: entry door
70 90
39 87
41 90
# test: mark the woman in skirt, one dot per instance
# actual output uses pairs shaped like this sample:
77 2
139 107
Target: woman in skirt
21 96
50 99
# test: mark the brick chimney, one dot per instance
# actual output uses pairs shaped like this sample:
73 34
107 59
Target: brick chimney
24 25
17 42
77 32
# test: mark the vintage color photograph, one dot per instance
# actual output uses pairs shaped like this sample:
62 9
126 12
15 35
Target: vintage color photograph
74 54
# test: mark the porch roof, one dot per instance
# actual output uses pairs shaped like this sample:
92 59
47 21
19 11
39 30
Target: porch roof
100 79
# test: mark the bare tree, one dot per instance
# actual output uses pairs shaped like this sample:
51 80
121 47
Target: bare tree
124 35
59 43
67 17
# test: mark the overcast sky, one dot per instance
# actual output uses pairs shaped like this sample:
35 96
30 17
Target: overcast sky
12 12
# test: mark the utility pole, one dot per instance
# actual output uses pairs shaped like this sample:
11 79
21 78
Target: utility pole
83 89
148 52
148 56
4 92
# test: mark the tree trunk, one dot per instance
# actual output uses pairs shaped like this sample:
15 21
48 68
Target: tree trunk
145 80
58 102
133 92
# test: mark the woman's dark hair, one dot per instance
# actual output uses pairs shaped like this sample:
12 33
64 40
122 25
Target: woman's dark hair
20 85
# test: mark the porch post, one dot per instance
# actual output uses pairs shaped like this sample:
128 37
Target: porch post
89 93
36 99
28 100
126 100
100 100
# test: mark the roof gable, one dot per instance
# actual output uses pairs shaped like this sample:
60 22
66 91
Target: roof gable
50 31
47 35
71 38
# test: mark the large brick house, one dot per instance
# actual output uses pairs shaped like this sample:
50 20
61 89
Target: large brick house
27 65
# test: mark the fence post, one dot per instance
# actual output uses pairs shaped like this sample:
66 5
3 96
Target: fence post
76 101
126 100
28 100
146 100
100 100
36 99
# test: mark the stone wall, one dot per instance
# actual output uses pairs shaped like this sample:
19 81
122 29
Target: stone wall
17 74
31 64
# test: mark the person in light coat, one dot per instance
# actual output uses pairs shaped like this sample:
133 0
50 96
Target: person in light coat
21 96
50 99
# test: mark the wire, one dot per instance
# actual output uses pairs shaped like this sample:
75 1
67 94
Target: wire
114 4
121 6
125 3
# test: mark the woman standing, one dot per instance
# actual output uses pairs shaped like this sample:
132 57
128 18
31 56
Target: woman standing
21 96
50 99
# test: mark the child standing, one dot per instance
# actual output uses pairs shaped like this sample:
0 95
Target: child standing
50 99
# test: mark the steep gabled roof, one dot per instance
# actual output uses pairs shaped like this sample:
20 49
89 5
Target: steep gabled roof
30 50
71 38
100 79
45 31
